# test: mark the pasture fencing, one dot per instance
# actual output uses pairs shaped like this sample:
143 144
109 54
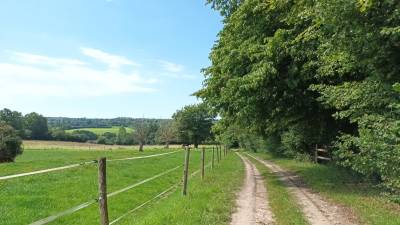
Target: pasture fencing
102 182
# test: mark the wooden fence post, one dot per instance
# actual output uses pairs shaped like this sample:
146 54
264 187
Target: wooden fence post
186 171
203 152
212 160
103 192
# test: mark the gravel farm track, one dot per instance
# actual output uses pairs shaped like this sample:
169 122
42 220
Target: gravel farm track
252 202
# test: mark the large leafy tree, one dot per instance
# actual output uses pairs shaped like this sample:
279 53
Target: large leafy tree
193 124
36 126
14 119
312 72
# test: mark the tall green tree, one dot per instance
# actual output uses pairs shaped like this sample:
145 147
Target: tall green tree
14 119
193 124
122 136
36 126
312 72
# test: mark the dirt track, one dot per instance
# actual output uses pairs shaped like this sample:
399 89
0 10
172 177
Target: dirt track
317 210
252 203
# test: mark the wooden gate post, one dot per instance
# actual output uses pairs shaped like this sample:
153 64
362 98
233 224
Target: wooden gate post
203 152
186 171
103 192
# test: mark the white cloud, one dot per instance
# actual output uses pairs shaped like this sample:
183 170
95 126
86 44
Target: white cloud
113 61
171 67
44 60
37 75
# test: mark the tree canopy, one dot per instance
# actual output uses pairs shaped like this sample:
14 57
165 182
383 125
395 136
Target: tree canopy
193 124
312 72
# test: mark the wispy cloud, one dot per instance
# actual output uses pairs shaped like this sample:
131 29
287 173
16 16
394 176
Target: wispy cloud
113 61
40 75
171 67
44 60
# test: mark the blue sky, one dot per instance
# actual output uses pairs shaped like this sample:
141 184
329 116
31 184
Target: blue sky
103 58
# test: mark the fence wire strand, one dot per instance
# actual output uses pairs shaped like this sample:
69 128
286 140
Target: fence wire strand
155 197
86 204
79 164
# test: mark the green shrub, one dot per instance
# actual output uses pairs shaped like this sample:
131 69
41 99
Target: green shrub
10 143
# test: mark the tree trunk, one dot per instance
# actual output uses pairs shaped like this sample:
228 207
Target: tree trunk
167 145
141 147
196 145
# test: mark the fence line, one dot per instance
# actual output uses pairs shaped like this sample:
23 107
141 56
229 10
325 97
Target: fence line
142 157
86 204
145 203
46 170
154 198
142 182
78 164
63 213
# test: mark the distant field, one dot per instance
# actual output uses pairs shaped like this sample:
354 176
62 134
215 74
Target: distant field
65 145
41 195
100 131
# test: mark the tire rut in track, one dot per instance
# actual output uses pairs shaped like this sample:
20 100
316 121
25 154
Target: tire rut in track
252 204
316 209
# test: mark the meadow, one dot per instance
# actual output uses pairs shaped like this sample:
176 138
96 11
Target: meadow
31 198
101 131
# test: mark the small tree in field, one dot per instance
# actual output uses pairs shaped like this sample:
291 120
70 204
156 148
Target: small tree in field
166 133
141 134
10 143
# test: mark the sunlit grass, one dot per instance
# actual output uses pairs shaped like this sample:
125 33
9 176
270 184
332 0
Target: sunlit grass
344 188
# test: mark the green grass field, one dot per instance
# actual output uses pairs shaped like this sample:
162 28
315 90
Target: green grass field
28 199
343 188
100 131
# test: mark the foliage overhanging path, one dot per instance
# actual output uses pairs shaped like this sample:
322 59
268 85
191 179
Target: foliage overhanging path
252 203
317 210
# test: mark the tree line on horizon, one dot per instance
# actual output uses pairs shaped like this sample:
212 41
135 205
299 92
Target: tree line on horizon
288 75
190 125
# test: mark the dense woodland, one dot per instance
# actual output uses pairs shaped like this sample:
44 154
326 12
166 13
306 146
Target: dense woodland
287 75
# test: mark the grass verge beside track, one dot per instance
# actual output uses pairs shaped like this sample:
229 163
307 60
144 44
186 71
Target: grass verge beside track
343 188
209 202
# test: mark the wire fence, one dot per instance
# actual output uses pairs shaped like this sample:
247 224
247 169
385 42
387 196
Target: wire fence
102 183
79 164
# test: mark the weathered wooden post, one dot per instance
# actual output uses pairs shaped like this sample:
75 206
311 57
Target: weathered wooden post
186 171
212 160
203 152
103 192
